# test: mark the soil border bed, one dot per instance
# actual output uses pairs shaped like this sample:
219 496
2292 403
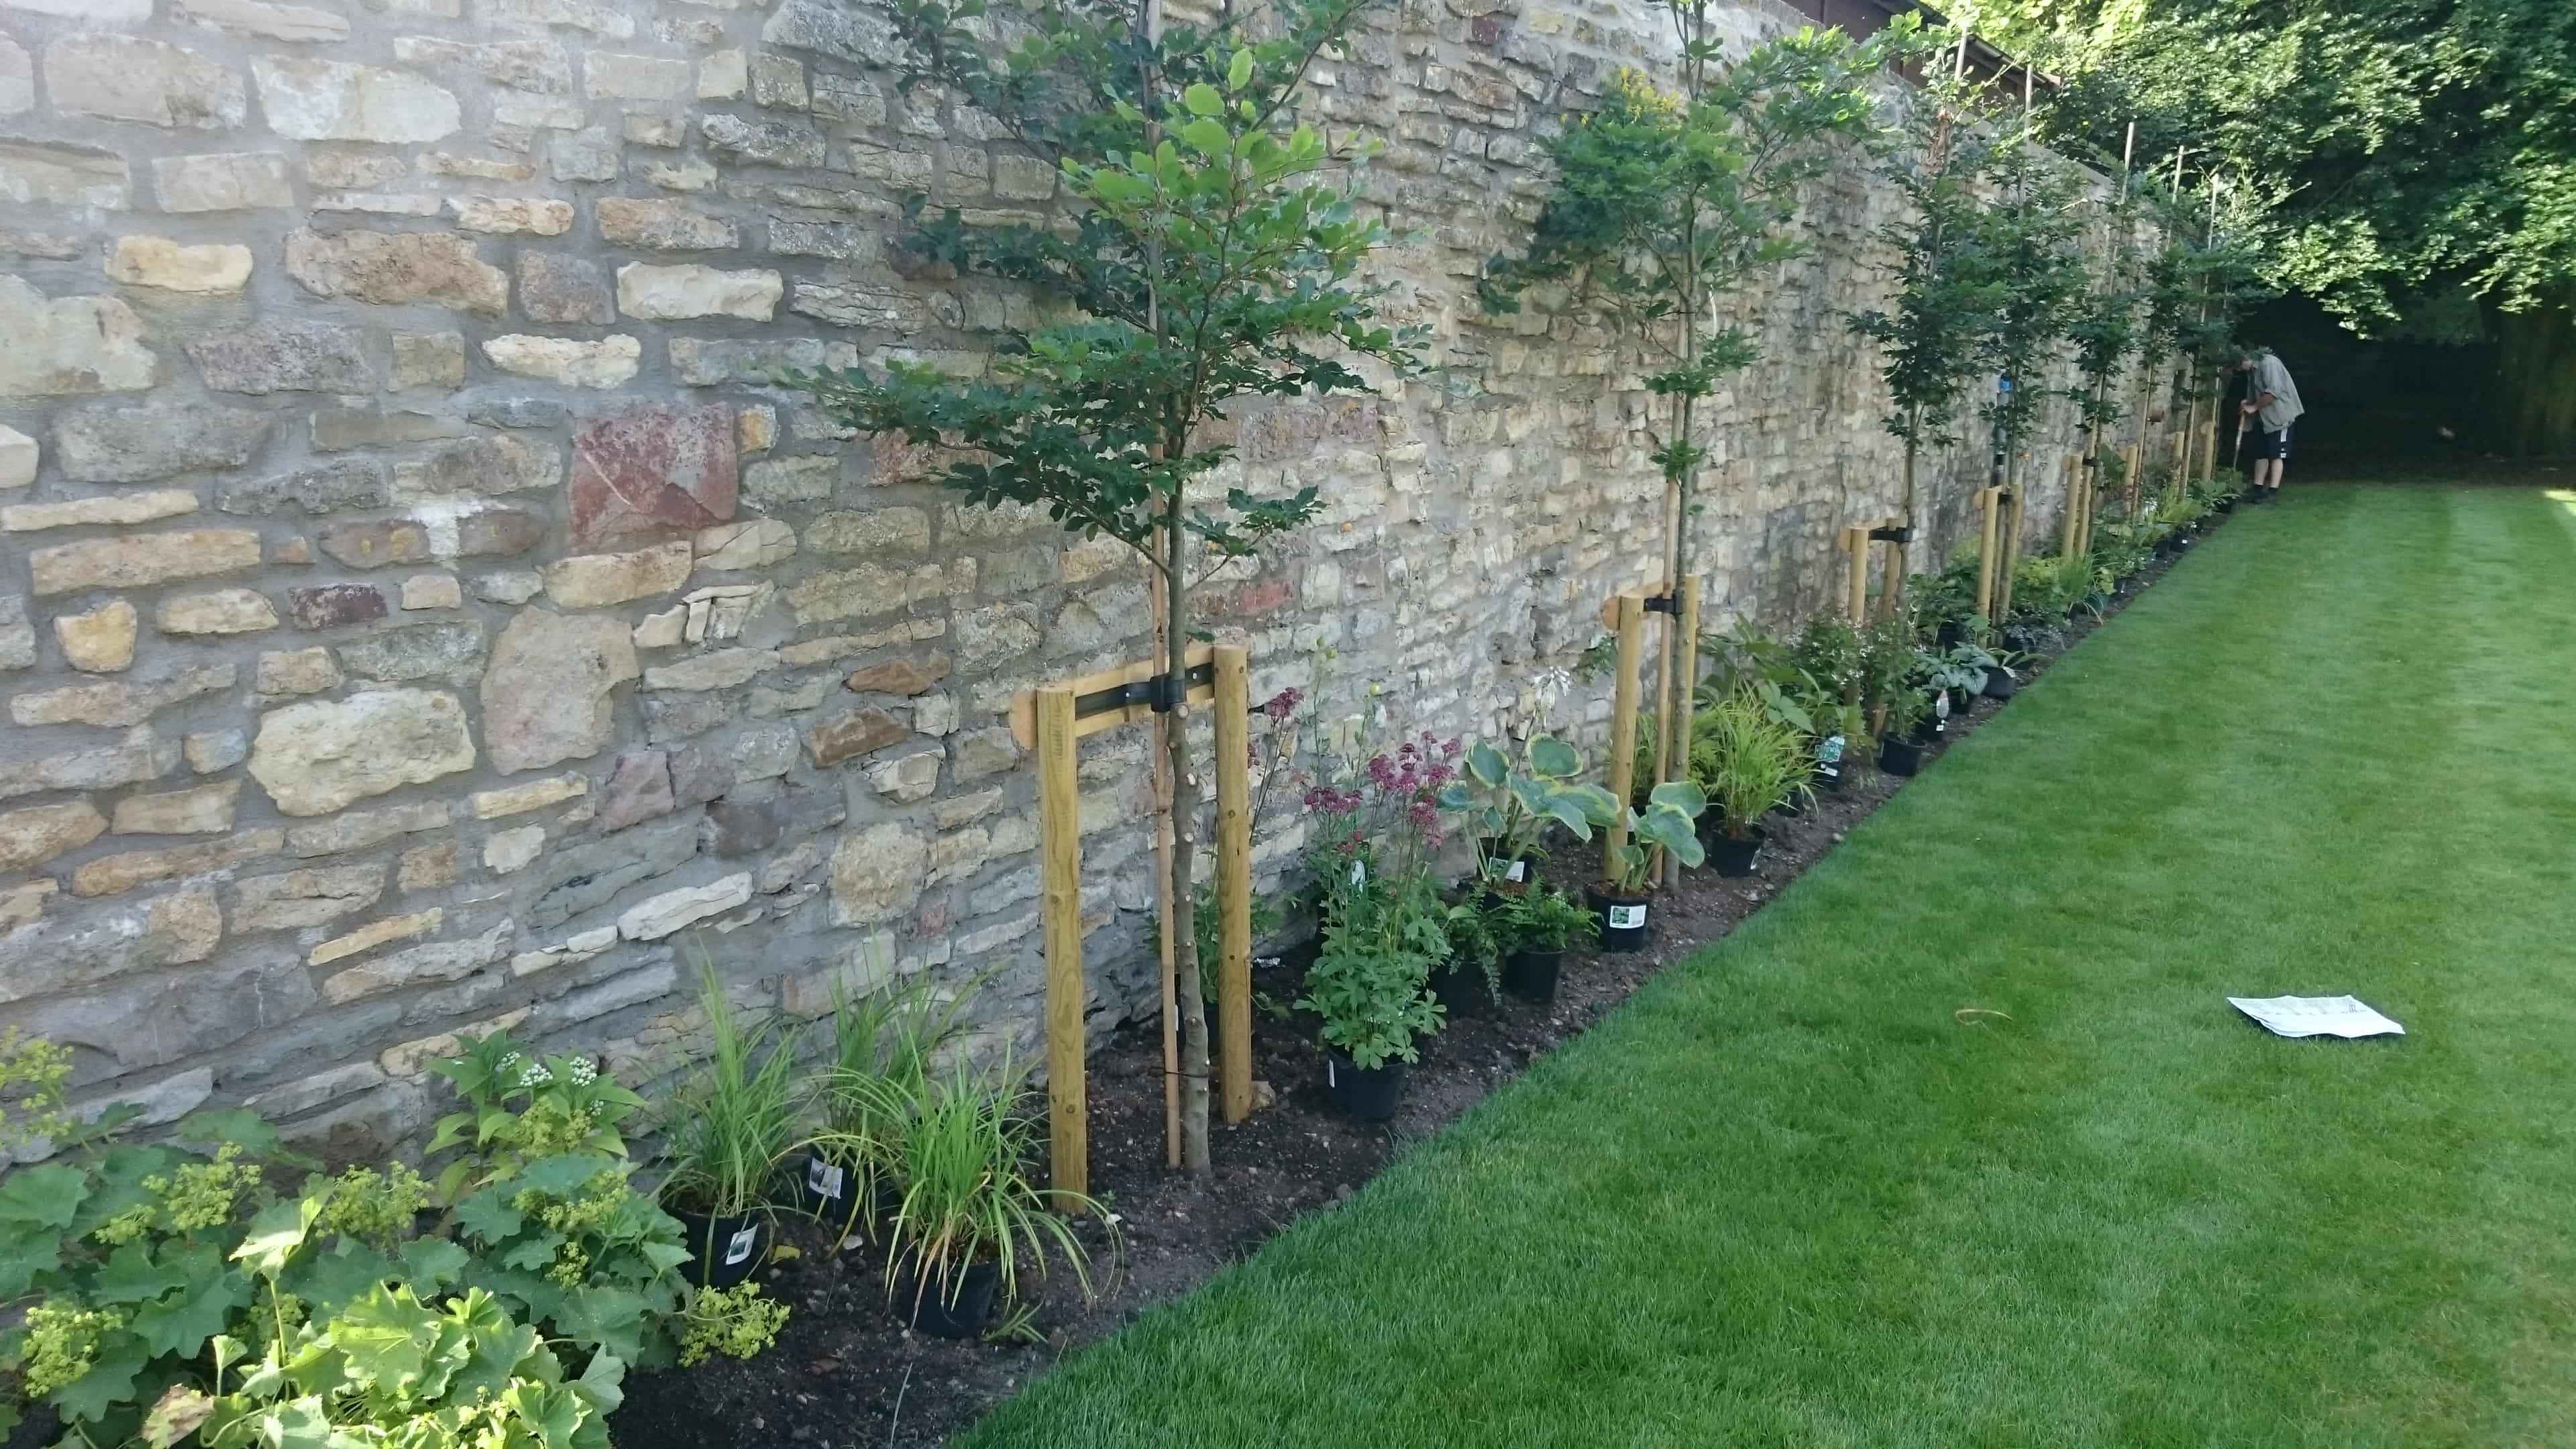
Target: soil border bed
844 1375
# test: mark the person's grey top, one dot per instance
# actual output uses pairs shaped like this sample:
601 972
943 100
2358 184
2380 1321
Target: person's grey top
2284 408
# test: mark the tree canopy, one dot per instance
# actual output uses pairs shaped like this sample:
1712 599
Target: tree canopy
2402 149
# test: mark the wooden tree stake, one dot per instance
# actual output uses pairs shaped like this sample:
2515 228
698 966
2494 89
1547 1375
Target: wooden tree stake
1233 709
1060 864
1631 615
1856 543
1986 503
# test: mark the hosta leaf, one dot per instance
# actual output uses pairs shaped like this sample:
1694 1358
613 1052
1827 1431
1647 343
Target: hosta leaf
1554 759
1487 764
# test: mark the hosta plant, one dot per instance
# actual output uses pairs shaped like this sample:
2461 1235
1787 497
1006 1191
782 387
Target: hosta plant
1507 805
1670 822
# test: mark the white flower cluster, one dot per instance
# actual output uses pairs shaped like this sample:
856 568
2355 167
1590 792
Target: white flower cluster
536 1075
583 1073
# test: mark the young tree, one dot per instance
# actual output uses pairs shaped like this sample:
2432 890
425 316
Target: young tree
1667 201
2103 325
2034 243
1947 289
1210 254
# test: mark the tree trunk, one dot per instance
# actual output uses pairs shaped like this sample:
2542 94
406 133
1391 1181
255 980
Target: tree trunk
1186 985
1893 606
2536 379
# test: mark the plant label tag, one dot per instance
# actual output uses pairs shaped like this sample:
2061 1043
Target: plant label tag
1627 918
1517 871
1829 752
1941 710
1331 1077
1359 874
738 1249
823 1179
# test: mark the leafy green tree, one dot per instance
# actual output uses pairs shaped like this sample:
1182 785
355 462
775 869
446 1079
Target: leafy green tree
1667 201
2402 152
1210 251
1947 288
2035 244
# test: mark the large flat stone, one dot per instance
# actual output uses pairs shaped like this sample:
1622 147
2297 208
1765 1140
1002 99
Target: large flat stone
329 100
315 756
222 181
130 78
578 879
439 268
66 346
673 294
137 757
447 652
649 469
604 363
312 896
158 262
134 561
63 176
142 1021
156 440
877 873
546 693
40 832
113 874
595 580
73 951
120 703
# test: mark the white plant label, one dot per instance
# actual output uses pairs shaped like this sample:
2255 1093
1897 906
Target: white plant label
823 1179
1627 918
739 1249
1359 874
1518 871
1332 1078
1941 710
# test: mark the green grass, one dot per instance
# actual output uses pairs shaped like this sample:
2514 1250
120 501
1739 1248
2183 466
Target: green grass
1785 1198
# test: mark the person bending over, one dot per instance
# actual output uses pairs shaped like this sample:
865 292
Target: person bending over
2272 405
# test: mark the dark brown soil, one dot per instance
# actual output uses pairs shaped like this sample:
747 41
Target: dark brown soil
845 1375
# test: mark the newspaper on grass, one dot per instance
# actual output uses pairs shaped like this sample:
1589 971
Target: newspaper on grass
2342 1016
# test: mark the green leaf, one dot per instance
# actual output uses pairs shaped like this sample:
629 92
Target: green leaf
276 1233
609 1319
298 1424
338 1275
1554 759
109 1384
1487 764
176 1416
1203 100
179 1325
495 1346
26 1252
43 1197
1238 72
132 1275
388 1338
429 1264
1207 137
488 1215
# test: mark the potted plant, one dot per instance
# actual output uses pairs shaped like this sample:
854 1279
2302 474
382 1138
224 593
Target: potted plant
883 1046
1507 808
1369 983
1475 927
970 1222
1670 822
1749 766
1540 924
727 1132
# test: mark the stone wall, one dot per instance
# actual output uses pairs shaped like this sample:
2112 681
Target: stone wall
418 615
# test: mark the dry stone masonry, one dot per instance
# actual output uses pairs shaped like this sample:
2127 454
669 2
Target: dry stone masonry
421 613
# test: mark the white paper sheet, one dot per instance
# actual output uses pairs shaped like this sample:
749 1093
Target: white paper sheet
2342 1016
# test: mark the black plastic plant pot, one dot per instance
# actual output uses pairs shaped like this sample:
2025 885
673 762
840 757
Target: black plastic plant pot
1734 857
825 1188
1459 988
1531 975
723 1251
1368 1094
1829 778
934 1309
1899 757
2000 685
1623 919
1951 634
1928 730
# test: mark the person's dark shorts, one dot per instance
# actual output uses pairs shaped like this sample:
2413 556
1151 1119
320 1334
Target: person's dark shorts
2272 445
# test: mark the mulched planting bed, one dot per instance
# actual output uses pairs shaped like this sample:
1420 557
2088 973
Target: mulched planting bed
845 1375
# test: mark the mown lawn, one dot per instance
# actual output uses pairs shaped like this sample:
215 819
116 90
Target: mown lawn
1786 1198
